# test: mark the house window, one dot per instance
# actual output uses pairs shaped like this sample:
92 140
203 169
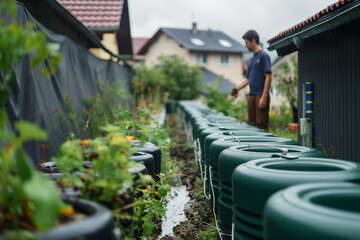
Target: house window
202 58
197 42
224 59
225 43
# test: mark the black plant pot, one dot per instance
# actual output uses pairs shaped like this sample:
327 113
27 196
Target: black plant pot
98 225
152 149
146 159
141 169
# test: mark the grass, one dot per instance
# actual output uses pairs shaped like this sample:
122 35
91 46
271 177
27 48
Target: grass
284 133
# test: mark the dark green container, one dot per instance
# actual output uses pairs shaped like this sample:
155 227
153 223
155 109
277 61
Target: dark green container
322 211
255 181
206 125
216 147
240 131
232 157
171 106
208 136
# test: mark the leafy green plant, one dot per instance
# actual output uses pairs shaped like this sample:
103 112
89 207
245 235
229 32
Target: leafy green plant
161 138
107 177
29 201
149 207
97 111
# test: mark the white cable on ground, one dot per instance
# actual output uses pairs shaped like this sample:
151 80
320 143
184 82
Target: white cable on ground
205 178
195 152
232 231
213 209
199 162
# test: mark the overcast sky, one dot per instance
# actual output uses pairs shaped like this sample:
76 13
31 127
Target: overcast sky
233 17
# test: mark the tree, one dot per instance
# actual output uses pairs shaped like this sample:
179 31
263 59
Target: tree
287 84
183 82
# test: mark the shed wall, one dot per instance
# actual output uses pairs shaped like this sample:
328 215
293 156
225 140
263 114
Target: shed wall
332 62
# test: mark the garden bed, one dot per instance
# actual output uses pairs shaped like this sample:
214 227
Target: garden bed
200 220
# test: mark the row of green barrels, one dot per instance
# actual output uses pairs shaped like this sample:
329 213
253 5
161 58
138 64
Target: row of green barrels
265 187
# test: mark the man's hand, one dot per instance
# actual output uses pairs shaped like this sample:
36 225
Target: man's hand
234 92
262 102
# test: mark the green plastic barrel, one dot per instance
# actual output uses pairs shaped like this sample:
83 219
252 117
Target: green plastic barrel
232 157
322 211
255 181
206 138
216 147
208 135
171 106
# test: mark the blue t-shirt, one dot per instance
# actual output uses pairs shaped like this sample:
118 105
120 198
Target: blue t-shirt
258 65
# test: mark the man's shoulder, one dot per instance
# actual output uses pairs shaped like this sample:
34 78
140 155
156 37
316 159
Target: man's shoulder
263 53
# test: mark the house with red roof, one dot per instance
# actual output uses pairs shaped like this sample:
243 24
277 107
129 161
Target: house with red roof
137 44
109 20
328 46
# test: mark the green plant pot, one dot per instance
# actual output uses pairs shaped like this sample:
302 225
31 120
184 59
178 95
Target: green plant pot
171 106
255 181
324 211
232 157
214 148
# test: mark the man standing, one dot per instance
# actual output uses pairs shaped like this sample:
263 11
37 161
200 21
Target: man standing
258 76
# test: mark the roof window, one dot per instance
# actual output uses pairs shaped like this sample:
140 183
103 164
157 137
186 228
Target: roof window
197 42
224 43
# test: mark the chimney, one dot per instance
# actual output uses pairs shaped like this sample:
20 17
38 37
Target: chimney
194 28
209 32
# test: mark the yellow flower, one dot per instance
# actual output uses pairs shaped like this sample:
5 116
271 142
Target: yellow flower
9 147
117 138
68 210
85 142
287 111
130 138
273 112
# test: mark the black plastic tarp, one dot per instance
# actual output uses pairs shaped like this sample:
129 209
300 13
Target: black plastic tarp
35 98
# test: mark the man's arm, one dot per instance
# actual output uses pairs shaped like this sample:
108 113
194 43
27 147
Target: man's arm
265 94
242 84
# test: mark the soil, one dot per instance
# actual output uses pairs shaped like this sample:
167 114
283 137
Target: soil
197 210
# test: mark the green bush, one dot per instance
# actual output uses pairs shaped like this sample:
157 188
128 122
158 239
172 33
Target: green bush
220 102
174 76
183 82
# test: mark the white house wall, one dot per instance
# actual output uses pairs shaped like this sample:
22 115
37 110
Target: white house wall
164 46
232 71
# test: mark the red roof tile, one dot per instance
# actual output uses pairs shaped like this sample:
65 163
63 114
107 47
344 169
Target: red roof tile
331 8
95 13
137 44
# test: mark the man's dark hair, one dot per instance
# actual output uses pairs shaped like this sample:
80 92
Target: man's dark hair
250 35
